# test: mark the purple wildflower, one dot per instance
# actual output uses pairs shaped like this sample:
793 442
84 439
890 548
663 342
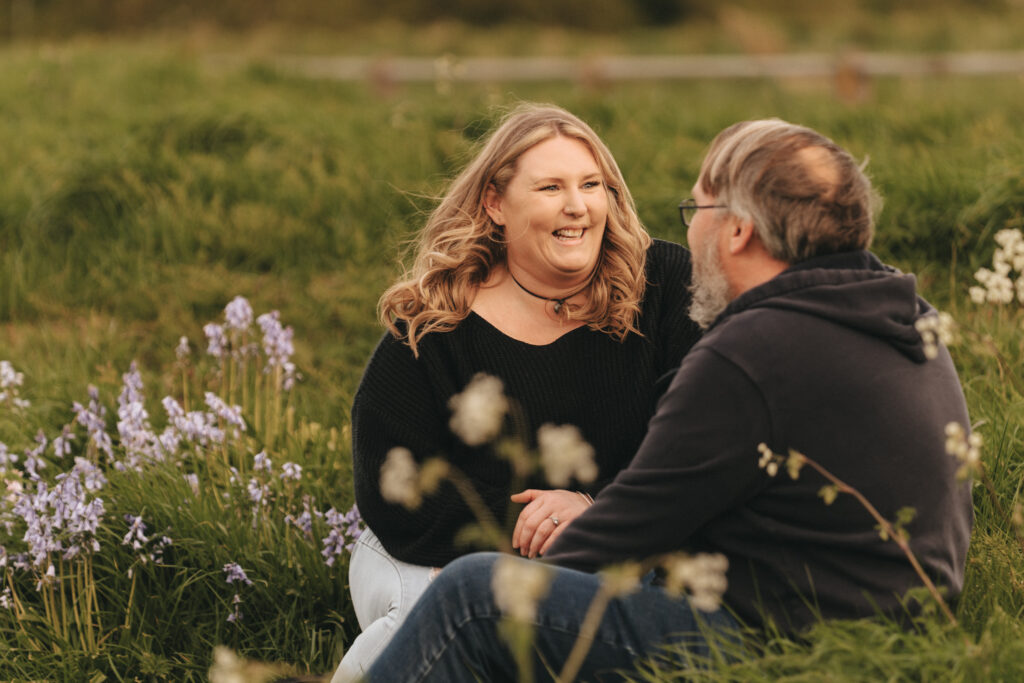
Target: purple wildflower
182 350
261 462
62 443
344 530
217 341
232 415
238 314
33 457
259 493
92 476
236 613
9 383
235 573
136 535
277 345
93 418
304 521
6 458
291 471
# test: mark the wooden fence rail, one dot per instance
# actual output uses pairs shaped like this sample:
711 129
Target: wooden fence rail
631 68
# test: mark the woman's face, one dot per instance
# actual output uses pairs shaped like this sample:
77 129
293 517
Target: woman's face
554 211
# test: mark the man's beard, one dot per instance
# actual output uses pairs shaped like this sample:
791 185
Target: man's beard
710 289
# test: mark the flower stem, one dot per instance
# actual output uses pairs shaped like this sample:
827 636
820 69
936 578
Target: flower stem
588 630
899 538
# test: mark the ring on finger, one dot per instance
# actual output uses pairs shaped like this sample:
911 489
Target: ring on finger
554 520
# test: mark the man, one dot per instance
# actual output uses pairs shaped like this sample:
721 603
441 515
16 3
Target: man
811 346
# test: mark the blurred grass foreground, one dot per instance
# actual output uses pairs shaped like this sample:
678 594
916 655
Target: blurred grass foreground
148 182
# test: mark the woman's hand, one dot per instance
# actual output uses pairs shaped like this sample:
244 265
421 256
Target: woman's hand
536 528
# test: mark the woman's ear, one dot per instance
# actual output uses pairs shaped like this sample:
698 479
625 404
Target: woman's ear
492 205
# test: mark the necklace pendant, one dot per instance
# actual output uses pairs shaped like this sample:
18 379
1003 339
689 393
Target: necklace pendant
558 306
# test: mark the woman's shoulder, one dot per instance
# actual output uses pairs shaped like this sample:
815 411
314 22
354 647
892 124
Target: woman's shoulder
668 263
663 253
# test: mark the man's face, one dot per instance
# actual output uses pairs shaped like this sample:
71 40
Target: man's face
710 288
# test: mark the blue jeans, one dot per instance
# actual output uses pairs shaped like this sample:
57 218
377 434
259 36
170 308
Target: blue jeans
452 634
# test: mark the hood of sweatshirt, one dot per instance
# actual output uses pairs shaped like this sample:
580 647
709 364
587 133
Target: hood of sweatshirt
853 289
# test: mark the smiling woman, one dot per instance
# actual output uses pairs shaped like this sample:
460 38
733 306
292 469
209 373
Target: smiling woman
533 269
553 214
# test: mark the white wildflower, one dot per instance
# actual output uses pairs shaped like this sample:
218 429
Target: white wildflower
479 410
518 586
621 579
564 455
965 448
399 478
934 329
701 575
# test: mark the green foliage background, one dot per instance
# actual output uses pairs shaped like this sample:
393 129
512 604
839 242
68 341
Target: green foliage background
146 182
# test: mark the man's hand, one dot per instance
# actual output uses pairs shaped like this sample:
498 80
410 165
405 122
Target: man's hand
536 527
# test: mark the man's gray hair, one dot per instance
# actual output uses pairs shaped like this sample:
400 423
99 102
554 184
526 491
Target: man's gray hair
805 195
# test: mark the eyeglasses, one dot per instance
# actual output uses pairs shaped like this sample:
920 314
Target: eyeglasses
688 209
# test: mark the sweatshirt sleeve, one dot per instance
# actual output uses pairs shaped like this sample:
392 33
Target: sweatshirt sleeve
698 460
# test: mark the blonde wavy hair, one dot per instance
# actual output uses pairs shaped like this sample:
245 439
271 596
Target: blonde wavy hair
459 245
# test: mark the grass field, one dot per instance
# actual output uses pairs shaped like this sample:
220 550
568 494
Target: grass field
145 187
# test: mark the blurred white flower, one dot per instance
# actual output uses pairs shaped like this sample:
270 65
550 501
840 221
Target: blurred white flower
564 455
518 586
999 284
933 329
966 449
621 579
701 575
479 410
399 478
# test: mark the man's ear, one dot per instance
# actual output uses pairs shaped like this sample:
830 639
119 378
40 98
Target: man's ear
492 205
742 236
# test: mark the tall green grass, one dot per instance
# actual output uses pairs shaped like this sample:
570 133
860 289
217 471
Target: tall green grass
144 186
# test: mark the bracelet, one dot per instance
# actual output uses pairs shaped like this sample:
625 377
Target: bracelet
587 497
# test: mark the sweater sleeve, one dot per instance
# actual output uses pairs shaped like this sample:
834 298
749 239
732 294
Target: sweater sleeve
698 460
402 402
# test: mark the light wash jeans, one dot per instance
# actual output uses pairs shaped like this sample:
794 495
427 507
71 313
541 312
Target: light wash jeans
453 634
383 592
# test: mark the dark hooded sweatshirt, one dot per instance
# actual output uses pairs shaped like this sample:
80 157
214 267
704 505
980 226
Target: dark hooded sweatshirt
824 359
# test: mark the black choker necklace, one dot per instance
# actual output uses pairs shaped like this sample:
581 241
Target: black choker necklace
558 302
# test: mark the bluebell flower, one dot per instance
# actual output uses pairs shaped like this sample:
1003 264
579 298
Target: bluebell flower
232 415
182 350
216 339
238 314
291 471
261 462
235 573
62 443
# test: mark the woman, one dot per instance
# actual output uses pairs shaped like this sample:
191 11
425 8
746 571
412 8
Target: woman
535 269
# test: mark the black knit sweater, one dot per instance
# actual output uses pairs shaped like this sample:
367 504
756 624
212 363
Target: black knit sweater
607 388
